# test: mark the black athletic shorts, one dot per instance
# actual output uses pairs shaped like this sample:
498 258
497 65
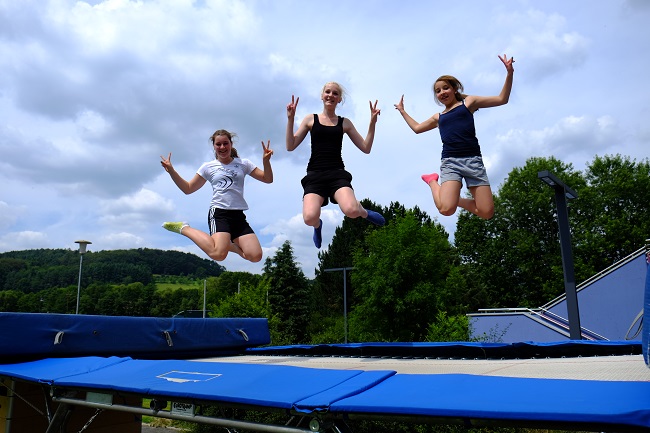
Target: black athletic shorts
229 221
325 183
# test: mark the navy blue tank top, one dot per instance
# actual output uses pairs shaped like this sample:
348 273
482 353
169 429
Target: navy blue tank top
458 133
326 146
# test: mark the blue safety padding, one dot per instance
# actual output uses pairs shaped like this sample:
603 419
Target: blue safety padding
504 398
35 336
645 333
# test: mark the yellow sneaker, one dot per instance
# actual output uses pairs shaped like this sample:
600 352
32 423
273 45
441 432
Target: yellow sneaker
176 227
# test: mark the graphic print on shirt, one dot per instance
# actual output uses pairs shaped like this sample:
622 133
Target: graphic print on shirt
226 177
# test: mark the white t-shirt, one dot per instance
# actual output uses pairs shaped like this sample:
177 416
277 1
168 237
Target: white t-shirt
227 182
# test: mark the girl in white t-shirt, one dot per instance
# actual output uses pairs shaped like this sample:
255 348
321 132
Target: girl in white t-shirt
229 230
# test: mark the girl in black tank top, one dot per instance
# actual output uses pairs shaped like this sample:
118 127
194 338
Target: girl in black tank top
326 177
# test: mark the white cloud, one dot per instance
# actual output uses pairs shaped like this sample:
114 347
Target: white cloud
117 241
23 241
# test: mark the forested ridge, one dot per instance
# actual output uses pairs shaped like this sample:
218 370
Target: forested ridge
35 270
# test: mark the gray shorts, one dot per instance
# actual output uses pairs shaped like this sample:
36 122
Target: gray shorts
470 168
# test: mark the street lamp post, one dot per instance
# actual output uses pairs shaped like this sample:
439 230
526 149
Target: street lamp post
345 299
562 192
82 251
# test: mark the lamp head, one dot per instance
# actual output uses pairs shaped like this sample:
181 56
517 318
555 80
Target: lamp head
555 183
82 246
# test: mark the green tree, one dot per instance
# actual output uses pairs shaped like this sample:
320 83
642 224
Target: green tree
328 292
514 258
397 279
614 220
9 300
448 328
288 295
229 283
249 301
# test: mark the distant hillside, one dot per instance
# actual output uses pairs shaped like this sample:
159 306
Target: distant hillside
36 270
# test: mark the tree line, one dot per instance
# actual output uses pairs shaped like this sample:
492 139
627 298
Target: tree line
407 281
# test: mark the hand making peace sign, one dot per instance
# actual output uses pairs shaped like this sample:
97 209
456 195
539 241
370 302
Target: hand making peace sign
267 151
291 108
374 111
508 63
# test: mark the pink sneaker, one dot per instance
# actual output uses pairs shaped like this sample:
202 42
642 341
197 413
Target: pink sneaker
428 178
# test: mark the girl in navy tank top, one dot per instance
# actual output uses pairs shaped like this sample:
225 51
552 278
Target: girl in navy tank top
461 153
326 177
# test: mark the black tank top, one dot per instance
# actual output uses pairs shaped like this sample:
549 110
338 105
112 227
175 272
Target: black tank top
326 146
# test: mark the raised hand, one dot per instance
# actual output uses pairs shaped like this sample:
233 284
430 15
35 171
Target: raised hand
374 111
267 151
508 63
291 108
400 105
167 162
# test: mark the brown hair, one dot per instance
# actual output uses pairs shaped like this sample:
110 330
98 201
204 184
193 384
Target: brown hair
230 135
454 83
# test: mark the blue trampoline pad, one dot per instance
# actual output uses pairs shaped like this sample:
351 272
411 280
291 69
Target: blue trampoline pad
504 398
51 369
256 385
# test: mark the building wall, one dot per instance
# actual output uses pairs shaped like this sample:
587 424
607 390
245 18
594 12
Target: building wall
607 306
511 328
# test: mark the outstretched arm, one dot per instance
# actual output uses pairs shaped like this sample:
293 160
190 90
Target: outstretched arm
293 140
187 187
364 144
415 126
476 102
265 175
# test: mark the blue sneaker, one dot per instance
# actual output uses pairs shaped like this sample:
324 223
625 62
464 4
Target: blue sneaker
318 237
375 218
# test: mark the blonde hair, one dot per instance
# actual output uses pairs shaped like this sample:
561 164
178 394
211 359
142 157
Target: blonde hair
230 135
454 83
342 91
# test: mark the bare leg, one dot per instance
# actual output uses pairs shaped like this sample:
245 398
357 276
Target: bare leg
482 203
216 246
311 205
234 248
446 196
349 204
248 246
351 207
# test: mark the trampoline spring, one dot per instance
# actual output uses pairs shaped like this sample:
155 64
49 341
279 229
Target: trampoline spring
92 418
12 392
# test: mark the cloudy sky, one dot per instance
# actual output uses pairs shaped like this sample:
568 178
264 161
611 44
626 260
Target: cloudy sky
93 92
